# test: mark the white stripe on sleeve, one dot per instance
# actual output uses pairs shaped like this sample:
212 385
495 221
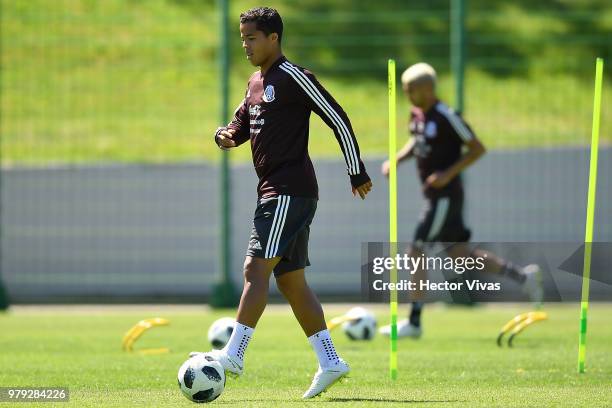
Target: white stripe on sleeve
311 90
455 122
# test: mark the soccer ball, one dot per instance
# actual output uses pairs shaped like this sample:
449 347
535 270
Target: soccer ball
201 379
220 332
361 326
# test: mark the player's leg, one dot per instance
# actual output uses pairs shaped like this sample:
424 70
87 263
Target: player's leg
411 327
492 263
254 297
291 281
309 313
303 301
261 259
432 218
529 277
454 230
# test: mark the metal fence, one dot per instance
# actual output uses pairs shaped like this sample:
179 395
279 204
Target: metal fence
91 90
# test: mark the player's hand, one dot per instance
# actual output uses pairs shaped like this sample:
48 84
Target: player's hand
363 190
225 139
437 180
385 168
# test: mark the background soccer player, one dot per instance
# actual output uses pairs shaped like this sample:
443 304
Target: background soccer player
274 116
438 138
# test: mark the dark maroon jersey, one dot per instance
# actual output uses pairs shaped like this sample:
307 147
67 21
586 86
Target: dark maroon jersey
275 114
439 136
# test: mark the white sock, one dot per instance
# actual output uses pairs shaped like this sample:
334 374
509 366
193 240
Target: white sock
323 345
239 340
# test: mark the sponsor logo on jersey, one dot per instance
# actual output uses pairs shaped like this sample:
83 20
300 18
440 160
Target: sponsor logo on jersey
268 95
421 148
254 110
419 127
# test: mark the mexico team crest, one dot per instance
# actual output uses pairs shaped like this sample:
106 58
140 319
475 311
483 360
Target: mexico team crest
431 129
268 95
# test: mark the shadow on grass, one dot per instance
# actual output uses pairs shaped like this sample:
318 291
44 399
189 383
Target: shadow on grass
405 401
355 399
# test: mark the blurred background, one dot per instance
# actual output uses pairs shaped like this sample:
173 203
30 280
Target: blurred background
112 188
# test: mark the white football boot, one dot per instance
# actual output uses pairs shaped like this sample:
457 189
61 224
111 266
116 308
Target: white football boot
533 284
232 366
404 329
325 378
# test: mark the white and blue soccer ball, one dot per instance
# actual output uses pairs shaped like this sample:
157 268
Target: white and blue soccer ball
220 332
201 379
361 324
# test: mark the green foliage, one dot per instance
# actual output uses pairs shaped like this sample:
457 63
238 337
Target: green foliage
119 80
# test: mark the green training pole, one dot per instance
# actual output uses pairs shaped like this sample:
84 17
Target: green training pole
393 215
588 235
224 293
4 300
457 41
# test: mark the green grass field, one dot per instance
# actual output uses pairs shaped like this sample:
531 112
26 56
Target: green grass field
455 364
88 81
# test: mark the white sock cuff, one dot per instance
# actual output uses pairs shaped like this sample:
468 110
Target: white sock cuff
242 329
323 346
239 340
323 334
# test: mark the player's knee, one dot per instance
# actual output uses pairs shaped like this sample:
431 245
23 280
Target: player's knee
254 272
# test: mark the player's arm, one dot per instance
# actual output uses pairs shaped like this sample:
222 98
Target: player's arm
237 131
404 153
316 97
475 150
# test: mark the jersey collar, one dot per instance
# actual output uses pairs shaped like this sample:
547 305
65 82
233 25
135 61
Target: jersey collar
275 65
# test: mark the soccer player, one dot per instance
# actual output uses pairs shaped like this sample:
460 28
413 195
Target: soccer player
438 138
274 117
